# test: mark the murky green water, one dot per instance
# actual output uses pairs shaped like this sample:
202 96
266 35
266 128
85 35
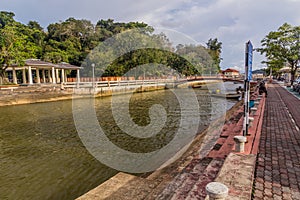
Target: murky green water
42 156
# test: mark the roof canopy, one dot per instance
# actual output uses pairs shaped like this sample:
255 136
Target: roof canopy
230 70
285 69
37 63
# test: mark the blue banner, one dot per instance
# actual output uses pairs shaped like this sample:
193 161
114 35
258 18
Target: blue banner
249 59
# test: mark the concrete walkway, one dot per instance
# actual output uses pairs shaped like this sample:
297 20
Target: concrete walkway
278 161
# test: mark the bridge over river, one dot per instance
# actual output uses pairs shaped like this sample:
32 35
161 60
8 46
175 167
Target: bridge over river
169 83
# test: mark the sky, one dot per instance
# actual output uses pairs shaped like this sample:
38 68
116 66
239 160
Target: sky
233 22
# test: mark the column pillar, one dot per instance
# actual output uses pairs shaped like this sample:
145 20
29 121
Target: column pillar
78 78
66 78
62 76
253 110
240 143
43 76
24 75
38 75
15 81
53 76
57 76
30 75
49 76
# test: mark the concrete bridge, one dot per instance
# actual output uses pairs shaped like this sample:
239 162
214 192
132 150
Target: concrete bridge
224 79
171 83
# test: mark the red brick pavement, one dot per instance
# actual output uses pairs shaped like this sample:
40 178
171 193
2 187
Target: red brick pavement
292 103
278 162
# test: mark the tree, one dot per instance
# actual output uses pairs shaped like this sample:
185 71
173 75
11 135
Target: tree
34 25
282 47
73 40
6 18
215 49
200 61
15 43
125 51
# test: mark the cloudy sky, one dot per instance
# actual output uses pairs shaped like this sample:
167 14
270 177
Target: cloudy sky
233 22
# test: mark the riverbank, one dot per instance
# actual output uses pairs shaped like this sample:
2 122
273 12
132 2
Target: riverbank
48 93
18 95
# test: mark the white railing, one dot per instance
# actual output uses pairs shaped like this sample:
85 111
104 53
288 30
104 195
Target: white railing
108 84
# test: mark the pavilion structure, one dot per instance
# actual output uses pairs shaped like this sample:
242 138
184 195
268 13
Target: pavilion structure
39 72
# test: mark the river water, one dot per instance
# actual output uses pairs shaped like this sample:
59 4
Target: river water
42 156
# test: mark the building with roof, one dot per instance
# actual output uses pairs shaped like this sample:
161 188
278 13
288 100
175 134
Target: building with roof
38 71
258 74
231 73
285 73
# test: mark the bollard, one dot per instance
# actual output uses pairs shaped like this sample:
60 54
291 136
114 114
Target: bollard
253 110
240 143
216 191
251 119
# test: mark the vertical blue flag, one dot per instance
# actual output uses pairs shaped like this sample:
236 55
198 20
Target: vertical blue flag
249 59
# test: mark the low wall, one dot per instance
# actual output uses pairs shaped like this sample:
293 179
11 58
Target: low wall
27 95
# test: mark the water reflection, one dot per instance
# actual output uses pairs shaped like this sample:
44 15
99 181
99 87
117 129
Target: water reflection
42 156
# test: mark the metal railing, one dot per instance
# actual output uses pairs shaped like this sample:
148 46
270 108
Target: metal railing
109 84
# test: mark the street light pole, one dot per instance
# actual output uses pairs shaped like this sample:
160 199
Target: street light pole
93 70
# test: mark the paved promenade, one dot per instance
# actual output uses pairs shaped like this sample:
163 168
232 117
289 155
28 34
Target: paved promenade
278 161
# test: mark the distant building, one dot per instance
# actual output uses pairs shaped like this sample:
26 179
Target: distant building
285 73
231 73
258 74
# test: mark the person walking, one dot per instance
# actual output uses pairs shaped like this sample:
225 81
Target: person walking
262 88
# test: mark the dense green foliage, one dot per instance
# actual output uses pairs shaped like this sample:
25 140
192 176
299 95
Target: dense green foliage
214 50
17 42
282 48
73 40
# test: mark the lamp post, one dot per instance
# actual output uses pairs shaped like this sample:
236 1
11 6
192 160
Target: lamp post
93 70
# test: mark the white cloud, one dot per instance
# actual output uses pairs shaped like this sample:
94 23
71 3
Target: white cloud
233 22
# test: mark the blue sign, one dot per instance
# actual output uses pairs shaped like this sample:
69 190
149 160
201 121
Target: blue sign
249 54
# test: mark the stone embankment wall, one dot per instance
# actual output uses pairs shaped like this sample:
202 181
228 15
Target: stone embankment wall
27 95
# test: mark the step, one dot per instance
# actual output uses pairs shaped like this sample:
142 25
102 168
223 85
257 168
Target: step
237 174
183 182
209 175
227 143
121 187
